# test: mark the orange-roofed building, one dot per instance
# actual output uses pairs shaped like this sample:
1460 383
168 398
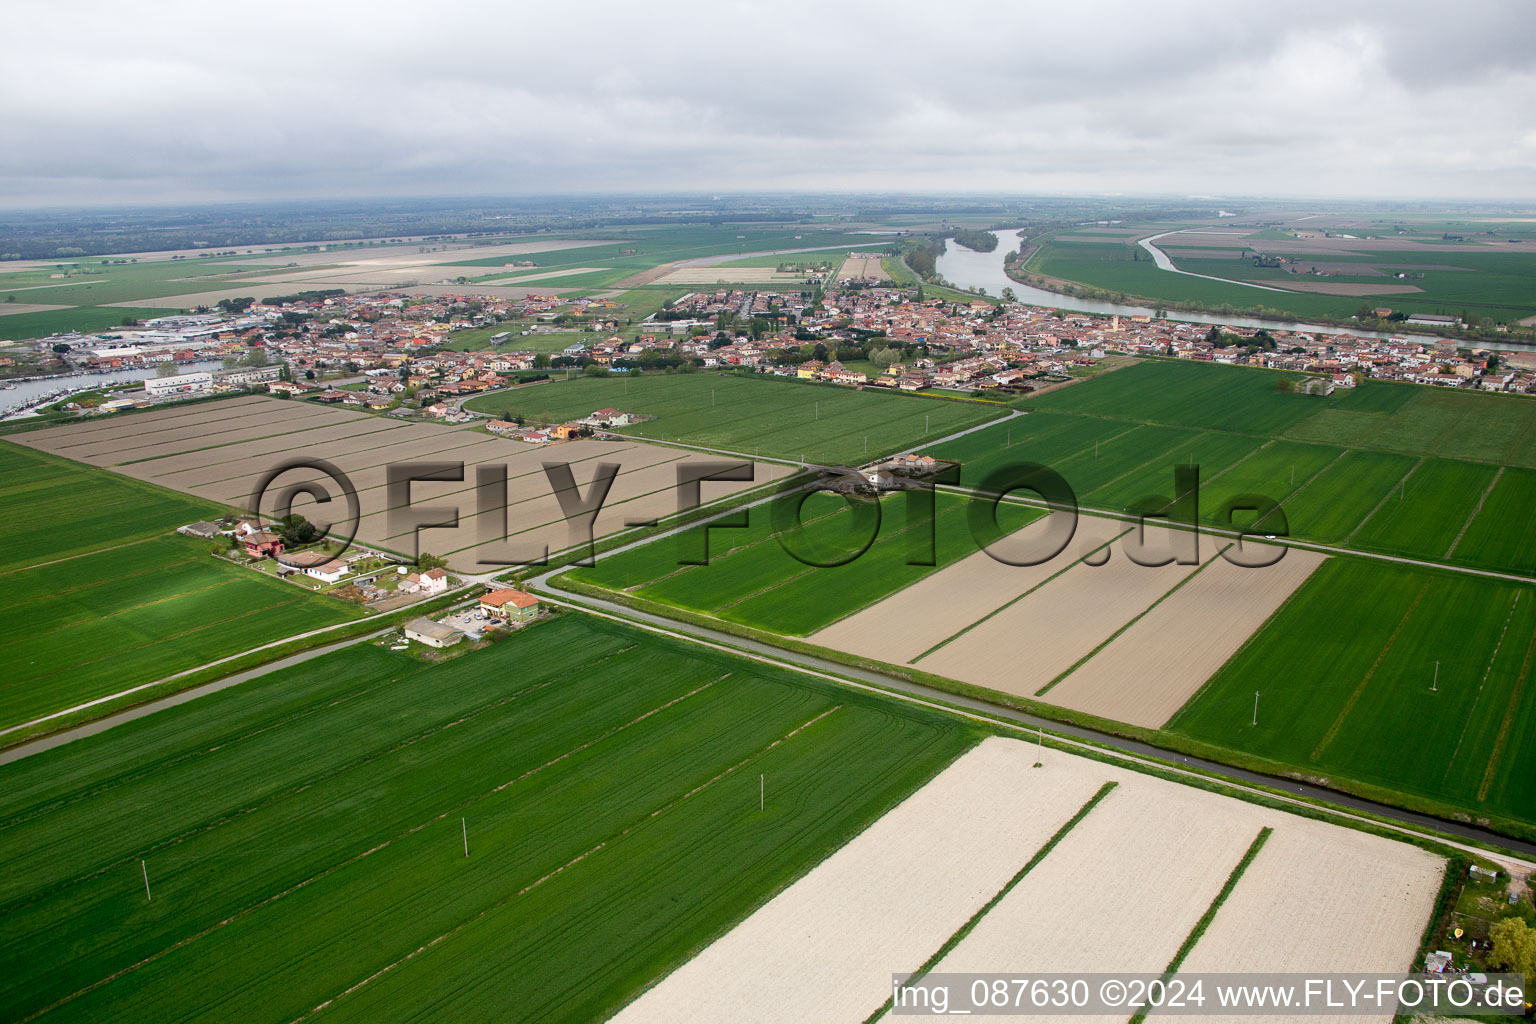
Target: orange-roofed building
510 605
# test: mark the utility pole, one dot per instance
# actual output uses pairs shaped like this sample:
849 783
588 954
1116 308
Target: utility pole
1255 707
145 868
1040 737
465 826
762 790
1434 687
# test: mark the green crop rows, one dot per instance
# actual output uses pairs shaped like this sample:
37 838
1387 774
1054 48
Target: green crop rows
98 596
752 415
303 842
1391 468
1350 690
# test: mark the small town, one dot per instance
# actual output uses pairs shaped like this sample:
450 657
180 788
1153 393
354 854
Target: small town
391 353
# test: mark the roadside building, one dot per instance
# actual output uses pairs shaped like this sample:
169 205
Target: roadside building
178 384
433 634
510 605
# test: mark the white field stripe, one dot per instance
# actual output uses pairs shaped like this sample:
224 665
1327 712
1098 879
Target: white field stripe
824 949
1146 864
1322 898
1152 669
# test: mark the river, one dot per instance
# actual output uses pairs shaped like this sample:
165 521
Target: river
966 268
23 392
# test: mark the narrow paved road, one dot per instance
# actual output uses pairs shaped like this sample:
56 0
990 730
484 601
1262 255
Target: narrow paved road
58 739
1143 754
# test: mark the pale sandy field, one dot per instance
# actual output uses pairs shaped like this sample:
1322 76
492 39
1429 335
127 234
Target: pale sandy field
221 450
249 290
824 949
1345 288
407 254
147 421
229 459
1147 861
1119 893
205 434
1148 672
730 275
499 291
1028 644
545 275
863 266
11 308
384 431
910 621
1320 898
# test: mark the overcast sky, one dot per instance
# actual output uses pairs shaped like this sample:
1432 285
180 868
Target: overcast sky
111 102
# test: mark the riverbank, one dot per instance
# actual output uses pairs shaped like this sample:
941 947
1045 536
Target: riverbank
966 269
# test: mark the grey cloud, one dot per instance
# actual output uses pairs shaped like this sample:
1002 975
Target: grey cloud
303 99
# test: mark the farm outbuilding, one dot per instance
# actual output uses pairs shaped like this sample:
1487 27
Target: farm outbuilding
433 634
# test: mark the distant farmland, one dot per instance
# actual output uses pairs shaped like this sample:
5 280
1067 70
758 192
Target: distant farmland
608 782
96 601
1392 468
1485 279
752 415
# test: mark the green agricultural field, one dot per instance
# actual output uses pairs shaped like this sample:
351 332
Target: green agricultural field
1393 468
754 577
753 415
1436 501
102 599
1346 673
80 318
1491 283
1047 438
478 339
1275 471
1502 536
1334 503
1487 283
52 508
89 283
1429 421
1112 269
303 834
1183 393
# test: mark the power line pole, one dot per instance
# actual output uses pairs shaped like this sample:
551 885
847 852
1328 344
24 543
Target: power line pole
1434 687
145 868
465 826
762 793
1255 707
